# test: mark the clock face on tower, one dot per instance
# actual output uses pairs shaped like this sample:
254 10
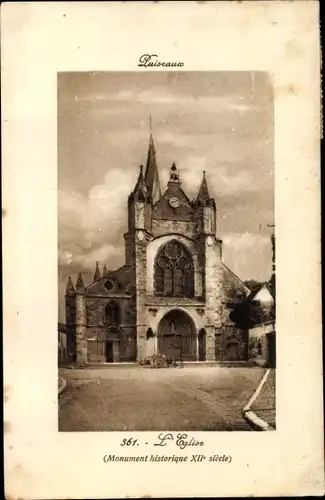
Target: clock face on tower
174 202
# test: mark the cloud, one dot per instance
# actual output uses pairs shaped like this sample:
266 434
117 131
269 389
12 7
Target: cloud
245 240
248 255
161 95
91 226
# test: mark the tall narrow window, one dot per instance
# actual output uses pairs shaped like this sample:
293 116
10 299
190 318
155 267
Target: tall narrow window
174 274
188 282
179 282
168 281
112 314
159 281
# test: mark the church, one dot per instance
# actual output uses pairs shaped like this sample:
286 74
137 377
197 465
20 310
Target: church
171 296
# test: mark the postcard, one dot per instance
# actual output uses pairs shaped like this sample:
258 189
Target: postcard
161 222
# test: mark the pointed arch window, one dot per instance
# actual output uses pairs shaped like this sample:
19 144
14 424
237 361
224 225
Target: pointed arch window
174 274
112 314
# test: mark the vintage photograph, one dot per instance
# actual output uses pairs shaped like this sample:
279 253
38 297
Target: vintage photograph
166 263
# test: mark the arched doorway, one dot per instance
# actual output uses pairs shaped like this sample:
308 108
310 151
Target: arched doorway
177 336
233 345
109 344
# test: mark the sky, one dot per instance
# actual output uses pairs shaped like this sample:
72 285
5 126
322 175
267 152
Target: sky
220 122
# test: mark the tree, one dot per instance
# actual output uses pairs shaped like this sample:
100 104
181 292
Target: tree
246 313
253 285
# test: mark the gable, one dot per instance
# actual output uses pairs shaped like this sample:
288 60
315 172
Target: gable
163 210
263 296
112 284
233 285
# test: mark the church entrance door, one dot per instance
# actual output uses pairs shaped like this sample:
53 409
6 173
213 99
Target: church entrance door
109 351
177 336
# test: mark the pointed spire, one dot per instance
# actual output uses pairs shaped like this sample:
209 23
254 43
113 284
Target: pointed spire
80 287
70 287
97 272
105 270
152 175
173 175
140 192
203 194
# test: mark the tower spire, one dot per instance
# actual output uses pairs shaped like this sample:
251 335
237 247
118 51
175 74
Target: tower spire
80 287
70 287
152 175
203 194
140 192
97 272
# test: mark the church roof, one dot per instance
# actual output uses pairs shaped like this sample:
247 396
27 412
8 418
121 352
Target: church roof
120 281
233 283
152 174
252 296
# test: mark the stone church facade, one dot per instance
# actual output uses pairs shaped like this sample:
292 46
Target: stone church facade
171 295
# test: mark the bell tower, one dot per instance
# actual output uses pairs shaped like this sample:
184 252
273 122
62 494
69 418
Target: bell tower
206 210
81 322
139 206
145 194
210 255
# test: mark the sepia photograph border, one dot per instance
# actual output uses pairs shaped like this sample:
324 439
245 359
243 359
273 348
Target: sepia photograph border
206 141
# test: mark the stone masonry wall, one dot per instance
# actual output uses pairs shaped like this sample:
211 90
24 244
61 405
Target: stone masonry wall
81 343
71 325
213 293
141 286
161 227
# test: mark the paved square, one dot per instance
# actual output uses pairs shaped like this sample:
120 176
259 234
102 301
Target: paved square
133 398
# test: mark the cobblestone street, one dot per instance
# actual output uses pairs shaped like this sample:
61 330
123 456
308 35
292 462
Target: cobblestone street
135 398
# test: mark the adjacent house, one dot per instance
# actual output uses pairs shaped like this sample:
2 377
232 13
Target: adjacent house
262 335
